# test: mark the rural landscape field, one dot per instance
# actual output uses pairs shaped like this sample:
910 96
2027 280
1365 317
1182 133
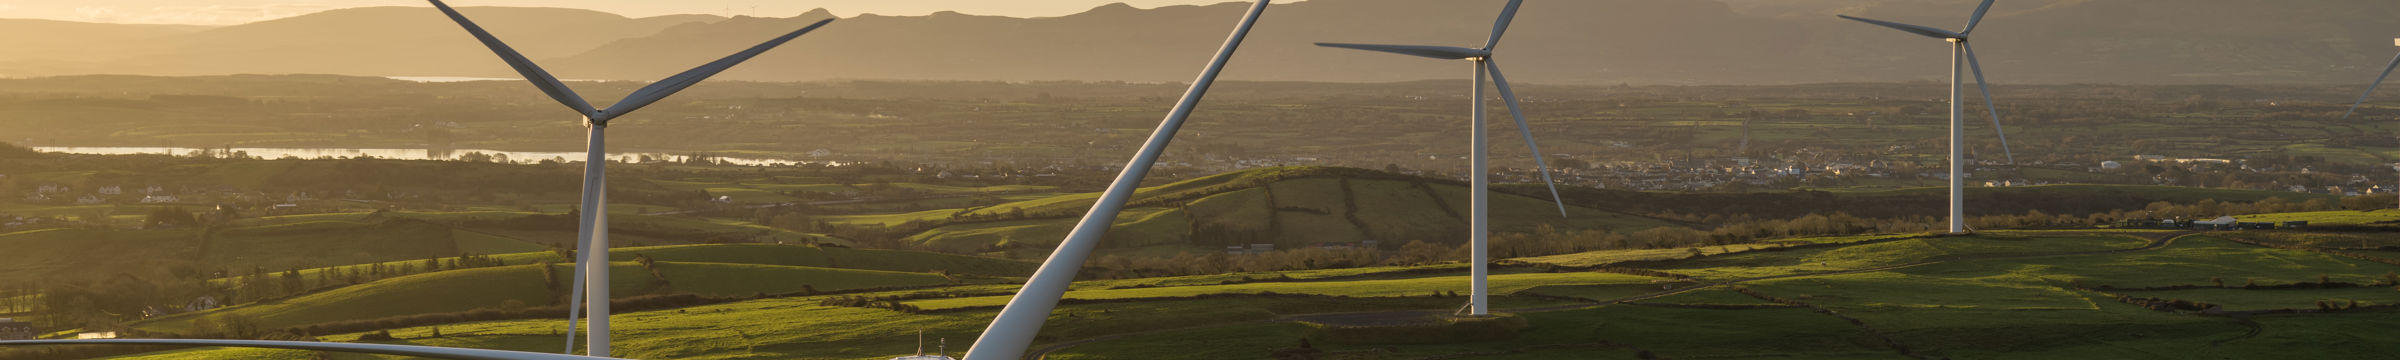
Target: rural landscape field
950 180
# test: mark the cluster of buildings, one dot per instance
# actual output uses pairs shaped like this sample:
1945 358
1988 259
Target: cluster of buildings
105 194
1255 249
1700 174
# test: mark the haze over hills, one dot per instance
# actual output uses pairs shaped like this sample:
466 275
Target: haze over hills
1556 42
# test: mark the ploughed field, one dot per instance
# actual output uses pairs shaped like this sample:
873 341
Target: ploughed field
2001 294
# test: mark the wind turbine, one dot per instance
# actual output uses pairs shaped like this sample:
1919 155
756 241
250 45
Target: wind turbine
1959 51
1013 330
2362 98
1480 226
591 276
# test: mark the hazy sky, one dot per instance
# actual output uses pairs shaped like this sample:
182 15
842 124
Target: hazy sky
226 12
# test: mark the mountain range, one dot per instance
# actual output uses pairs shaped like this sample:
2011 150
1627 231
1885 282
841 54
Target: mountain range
1577 42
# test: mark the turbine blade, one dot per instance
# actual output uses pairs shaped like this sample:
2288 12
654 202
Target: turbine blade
1510 96
1994 107
1014 329
575 299
663 88
402 350
2362 98
1978 19
534 73
1437 52
1500 27
1913 29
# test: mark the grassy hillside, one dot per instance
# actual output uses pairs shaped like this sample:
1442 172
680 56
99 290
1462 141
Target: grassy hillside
41 253
320 240
523 285
777 255
1998 295
1290 207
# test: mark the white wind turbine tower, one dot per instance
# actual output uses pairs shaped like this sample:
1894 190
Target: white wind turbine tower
2362 98
1013 330
1480 225
1960 51
591 275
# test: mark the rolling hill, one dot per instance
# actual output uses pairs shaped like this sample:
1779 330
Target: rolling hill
1587 42
277 243
520 286
2018 294
1291 207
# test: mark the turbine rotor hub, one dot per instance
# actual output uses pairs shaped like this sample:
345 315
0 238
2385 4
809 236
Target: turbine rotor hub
1961 40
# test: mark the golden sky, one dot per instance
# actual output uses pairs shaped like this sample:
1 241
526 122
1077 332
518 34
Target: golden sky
228 12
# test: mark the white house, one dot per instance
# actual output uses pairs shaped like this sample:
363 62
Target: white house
2111 165
160 199
112 190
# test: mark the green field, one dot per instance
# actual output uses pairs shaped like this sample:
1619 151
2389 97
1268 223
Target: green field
2329 217
1289 207
2237 299
523 285
2004 294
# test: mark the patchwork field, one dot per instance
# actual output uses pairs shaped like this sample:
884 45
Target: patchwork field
2010 294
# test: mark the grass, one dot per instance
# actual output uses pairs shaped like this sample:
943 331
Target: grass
2195 260
1305 208
1603 292
1710 296
1607 332
1409 287
1895 252
522 285
763 328
1607 257
2236 299
890 219
1134 227
781 255
2345 217
1997 295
